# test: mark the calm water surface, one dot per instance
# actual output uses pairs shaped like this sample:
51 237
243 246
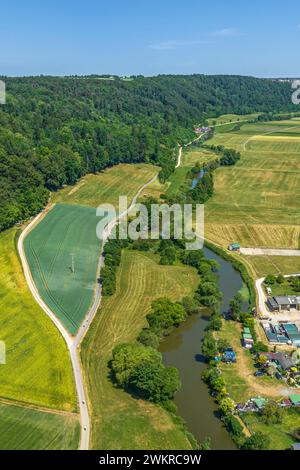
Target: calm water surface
182 349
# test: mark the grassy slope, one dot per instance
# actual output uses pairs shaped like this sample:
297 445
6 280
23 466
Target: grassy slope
227 118
93 190
119 421
38 368
28 429
66 229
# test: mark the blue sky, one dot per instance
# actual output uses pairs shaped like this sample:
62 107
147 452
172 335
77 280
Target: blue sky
127 37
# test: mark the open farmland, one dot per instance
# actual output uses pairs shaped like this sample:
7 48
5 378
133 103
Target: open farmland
66 231
256 202
263 265
106 187
38 368
118 420
228 118
24 428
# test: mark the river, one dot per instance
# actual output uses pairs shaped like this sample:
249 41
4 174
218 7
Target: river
182 349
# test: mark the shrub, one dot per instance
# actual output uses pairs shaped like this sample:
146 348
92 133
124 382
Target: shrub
190 305
258 441
209 346
148 338
154 382
164 315
125 357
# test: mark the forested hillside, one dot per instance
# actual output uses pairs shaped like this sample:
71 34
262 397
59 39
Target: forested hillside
54 130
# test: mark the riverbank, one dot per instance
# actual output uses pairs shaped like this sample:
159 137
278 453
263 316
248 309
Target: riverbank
182 349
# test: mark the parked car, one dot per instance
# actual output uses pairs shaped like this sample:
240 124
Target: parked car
259 373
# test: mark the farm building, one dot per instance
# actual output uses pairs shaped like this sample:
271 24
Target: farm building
248 341
282 360
270 332
283 333
234 247
279 303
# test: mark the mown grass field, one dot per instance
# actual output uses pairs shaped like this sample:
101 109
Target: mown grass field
280 435
263 265
256 202
38 368
23 428
64 232
106 187
118 420
228 118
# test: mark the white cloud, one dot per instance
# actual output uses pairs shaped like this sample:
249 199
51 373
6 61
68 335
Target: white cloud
176 44
226 32
185 43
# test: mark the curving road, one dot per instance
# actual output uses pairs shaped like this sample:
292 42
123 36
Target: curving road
74 342
186 145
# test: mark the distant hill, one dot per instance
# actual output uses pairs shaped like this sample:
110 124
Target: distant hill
54 130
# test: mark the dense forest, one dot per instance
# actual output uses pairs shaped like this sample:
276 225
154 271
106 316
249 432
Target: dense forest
53 130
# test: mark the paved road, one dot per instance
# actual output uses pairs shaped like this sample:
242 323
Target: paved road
179 157
269 252
73 342
186 145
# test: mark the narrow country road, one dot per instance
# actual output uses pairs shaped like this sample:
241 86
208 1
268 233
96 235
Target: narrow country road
186 145
262 298
74 342
179 157
269 252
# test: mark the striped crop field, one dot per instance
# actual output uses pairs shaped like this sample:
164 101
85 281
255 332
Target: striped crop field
256 202
118 420
24 428
63 249
66 235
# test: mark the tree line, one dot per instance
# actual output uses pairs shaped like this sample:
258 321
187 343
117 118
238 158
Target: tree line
53 130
